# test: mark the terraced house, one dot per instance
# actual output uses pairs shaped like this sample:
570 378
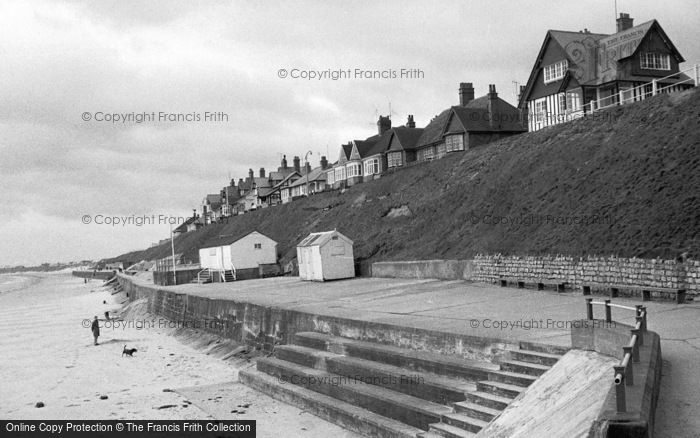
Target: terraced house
579 72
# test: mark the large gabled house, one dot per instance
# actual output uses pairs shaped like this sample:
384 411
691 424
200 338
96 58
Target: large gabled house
577 72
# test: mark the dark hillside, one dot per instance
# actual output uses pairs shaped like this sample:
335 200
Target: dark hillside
637 168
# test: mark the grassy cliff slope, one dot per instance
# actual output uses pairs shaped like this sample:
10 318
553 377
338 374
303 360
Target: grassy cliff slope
634 171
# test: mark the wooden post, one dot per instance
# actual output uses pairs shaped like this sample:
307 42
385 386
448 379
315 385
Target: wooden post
654 88
608 311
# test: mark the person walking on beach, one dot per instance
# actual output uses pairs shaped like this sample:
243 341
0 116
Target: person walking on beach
95 329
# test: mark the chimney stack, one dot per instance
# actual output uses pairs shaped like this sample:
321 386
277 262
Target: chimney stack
492 92
493 96
262 172
324 163
624 22
251 174
383 124
307 168
410 123
466 93
284 162
297 168
520 93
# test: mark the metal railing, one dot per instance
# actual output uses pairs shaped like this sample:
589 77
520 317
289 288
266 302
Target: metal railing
624 371
207 270
633 94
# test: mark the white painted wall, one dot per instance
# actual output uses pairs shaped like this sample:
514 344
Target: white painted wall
243 253
331 261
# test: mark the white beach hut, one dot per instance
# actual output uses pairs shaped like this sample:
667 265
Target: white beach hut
325 256
238 255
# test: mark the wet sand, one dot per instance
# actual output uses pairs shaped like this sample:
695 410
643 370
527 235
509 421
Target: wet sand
49 357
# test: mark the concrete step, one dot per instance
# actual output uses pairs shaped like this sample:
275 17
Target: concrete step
544 348
424 361
528 368
524 380
464 422
489 400
499 388
534 357
343 414
428 386
309 357
477 411
402 407
448 431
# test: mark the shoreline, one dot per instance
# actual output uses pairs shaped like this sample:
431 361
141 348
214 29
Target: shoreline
53 361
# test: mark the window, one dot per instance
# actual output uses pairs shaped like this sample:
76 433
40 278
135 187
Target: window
330 176
428 153
372 167
454 143
441 150
556 71
394 159
562 102
353 170
540 109
258 246
340 173
655 61
573 101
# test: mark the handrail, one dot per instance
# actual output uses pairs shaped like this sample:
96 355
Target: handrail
637 93
618 99
624 372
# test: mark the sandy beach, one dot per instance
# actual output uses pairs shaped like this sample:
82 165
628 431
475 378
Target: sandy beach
49 357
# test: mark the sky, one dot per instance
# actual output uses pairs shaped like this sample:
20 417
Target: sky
93 166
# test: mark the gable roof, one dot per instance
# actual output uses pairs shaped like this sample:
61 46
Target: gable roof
406 138
433 132
320 239
607 49
487 115
316 174
228 239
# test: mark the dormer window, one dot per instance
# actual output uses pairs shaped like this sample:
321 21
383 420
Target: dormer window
655 61
556 71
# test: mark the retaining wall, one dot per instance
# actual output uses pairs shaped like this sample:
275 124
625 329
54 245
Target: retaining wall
248 323
573 270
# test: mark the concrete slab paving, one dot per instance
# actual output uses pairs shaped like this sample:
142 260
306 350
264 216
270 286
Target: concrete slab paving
489 311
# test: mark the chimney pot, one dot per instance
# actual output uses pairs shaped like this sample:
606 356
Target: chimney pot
251 174
324 163
410 123
262 172
624 22
466 93
284 162
297 167
383 124
492 91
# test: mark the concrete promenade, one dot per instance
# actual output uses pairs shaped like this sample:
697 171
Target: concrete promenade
489 311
